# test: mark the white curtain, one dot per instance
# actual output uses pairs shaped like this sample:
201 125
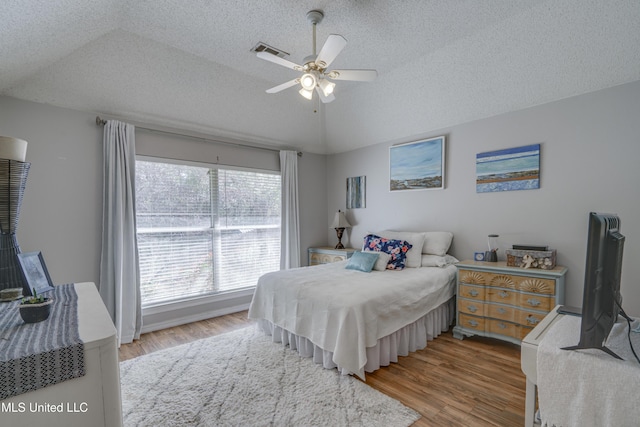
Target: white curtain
290 227
119 272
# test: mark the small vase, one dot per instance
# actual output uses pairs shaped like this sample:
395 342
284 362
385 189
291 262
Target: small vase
33 313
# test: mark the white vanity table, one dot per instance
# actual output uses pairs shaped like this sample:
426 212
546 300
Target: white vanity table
528 361
584 387
91 400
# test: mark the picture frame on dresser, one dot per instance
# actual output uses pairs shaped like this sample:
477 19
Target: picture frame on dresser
499 301
35 274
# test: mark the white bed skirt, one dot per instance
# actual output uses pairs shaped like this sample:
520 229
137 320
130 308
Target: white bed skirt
411 338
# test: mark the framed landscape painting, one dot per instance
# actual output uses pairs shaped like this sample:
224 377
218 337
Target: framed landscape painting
417 165
507 170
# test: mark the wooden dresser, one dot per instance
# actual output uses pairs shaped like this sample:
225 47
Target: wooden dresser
325 255
494 300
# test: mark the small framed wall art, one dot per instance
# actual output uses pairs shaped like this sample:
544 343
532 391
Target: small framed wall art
417 165
356 192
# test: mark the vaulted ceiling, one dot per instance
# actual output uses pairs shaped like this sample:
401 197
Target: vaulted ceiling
187 64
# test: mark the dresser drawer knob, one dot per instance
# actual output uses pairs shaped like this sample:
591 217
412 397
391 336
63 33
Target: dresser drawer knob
502 326
533 302
501 310
473 308
474 293
473 323
532 320
503 294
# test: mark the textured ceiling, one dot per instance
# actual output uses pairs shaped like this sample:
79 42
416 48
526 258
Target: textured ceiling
187 64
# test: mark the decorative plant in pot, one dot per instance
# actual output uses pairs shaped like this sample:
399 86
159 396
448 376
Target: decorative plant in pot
35 308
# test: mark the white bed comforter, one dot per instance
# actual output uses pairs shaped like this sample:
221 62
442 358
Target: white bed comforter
346 311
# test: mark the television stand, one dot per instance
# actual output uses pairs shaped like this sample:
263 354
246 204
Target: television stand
613 377
603 348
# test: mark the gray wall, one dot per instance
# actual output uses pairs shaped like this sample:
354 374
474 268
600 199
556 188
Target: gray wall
590 150
62 208
589 162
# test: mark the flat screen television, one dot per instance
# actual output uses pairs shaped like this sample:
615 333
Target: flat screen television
601 301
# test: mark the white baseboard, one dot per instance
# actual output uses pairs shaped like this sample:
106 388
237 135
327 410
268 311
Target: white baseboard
192 318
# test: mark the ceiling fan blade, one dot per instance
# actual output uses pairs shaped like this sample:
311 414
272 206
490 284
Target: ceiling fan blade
332 47
283 86
280 61
323 98
355 75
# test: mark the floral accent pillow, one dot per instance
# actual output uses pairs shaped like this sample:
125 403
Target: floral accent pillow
396 248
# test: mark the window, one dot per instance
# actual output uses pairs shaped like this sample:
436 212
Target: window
202 230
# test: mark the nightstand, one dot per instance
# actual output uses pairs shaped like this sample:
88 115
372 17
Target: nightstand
498 301
325 255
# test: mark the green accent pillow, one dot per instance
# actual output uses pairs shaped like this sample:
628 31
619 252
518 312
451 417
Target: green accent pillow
362 261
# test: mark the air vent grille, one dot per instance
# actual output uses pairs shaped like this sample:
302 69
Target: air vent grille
263 47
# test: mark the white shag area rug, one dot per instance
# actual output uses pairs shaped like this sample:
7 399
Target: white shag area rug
243 379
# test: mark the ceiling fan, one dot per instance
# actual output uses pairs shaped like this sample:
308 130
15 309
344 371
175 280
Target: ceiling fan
315 74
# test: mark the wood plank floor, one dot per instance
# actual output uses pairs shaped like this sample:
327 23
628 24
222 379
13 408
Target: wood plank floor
474 382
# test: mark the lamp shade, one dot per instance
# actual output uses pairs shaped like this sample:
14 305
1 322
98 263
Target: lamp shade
339 221
13 148
306 93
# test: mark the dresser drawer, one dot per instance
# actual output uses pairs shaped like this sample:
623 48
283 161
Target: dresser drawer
503 296
472 292
503 328
471 277
318 258
501 312
530 318
536 302
326 255
537 285
471 307
511 281
471 322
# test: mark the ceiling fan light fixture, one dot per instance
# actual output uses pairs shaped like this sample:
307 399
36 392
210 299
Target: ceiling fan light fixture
314 71
326 86
308 81
306 93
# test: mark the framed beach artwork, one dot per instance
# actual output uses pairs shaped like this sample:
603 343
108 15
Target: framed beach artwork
507 170
417 165
356 192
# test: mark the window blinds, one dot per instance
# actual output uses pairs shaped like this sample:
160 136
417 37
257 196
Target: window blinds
203 231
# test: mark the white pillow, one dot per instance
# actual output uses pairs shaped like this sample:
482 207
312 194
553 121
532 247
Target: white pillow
437 242
383 260
417 241
437 260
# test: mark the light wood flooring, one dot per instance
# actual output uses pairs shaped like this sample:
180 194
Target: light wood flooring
474 382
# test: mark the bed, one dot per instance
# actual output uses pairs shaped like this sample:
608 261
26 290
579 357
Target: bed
357 321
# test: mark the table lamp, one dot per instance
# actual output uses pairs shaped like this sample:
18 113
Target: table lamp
340 223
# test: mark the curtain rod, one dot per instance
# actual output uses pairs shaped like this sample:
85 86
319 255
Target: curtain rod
101 122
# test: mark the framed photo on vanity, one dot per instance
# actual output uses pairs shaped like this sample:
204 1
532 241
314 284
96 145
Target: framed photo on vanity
35 273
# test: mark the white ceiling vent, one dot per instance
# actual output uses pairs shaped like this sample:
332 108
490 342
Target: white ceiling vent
263 47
